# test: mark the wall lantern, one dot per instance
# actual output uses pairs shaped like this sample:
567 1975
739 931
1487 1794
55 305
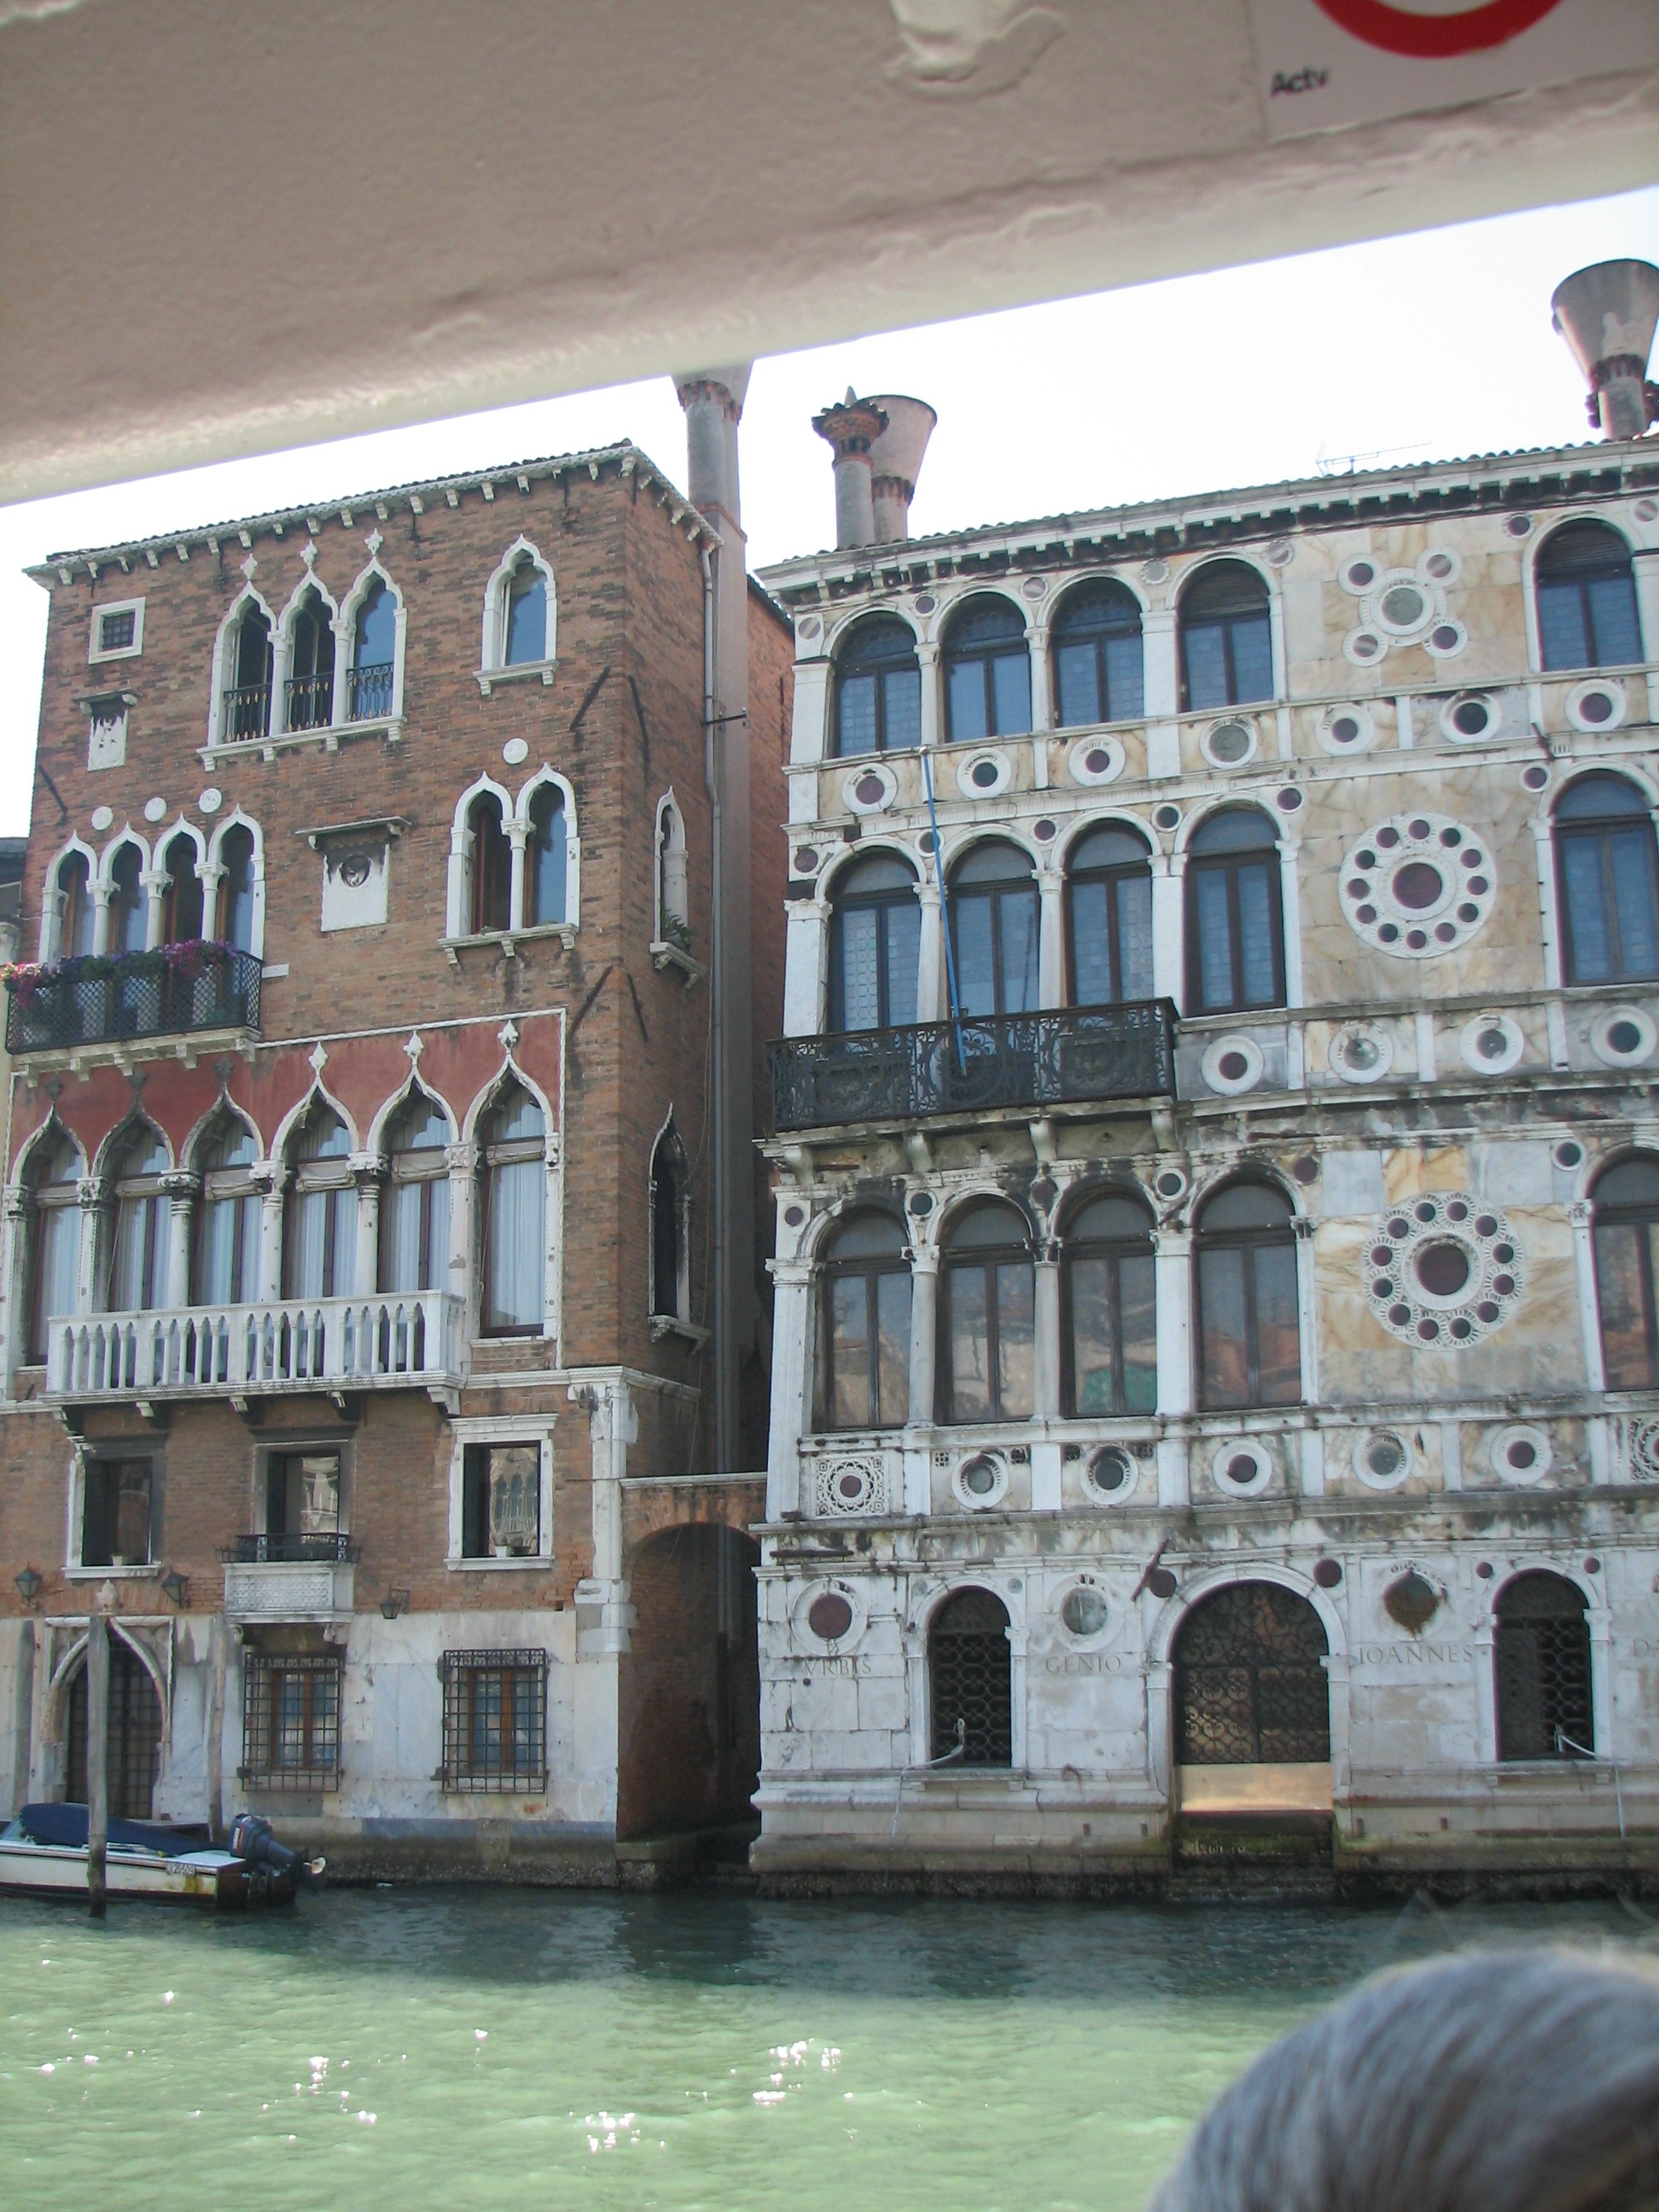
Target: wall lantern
28 1584
176 1587
394 1602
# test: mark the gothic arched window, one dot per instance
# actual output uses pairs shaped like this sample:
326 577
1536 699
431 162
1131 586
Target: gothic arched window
415 1209
514 1211
320 1259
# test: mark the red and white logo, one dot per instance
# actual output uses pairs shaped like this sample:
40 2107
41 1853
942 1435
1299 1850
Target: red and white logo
1435 36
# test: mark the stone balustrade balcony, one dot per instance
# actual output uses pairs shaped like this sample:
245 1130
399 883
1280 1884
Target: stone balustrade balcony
393 1341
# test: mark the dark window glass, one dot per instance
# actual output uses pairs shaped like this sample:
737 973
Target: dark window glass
863 1381
236 889
1098 657
321 1254
302 1505
311 666
993 930
545 857
1626 1226
1235 926
515 1213
1108 914
501 1501
291 1720
877 689
1544 1707
76 908
115 1528
116 632
988 1319
668 1203
875 944
495 1720
128 903
228 1217
138 1250
1250 1685
1227 638
970 1679
1587 615
248 699
988 673
414 1206
1607 870
375 650
54 1251
1249 1341
527 614
132 1737
181 902
492 866
1111 1336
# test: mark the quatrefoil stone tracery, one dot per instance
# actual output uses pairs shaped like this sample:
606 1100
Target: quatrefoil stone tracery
1418 884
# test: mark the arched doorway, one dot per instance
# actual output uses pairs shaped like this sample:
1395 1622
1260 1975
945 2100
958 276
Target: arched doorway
1544 1705
132 1738
1253 1724
970 1679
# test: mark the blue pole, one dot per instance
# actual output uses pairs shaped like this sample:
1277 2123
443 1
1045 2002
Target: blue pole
945 915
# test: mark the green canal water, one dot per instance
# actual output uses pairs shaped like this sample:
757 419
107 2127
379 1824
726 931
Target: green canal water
406 2049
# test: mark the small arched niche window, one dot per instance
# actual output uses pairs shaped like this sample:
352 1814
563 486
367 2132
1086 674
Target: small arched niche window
545 869
75 908
54 1188
490 868
415 1211
1235 921
877 689
1608 873
987 672
864 1338
1098 657
987 1318
319 1260
1226 637
182 904
128 903
1544 1709
1109 914
247 701
524 615
138 1253
309 701
234 922
674 899
1249 1345
373 653
515 1213
671 1221
1586 587
228 1217
875 945
1111 1309
994 929
1625 1232
971 1680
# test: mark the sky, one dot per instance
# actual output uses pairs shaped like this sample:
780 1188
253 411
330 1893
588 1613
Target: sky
1415 348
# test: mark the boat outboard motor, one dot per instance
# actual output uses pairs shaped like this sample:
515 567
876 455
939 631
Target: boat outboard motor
252 1839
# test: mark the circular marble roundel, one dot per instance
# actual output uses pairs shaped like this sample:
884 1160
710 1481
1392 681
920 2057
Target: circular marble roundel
1443 1270
1418 884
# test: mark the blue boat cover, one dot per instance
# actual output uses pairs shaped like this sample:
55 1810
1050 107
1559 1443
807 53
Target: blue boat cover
65 1827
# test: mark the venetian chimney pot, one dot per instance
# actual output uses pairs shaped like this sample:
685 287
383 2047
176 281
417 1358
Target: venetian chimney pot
851 429
895 461
1607 314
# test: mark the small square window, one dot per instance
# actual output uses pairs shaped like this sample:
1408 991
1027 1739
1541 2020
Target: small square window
116 1509
291 1720
501 1501
495 1721
302 1507
118 631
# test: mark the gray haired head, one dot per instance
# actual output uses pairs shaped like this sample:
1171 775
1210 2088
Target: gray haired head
1498 2081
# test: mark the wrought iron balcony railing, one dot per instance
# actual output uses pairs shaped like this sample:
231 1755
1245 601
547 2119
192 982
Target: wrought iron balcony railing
314 1550
1074 1055
247 713
101 999
308 702
371 691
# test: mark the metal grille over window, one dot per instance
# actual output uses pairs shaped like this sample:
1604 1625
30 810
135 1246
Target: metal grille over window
1250 1688
1544 1671
969 1679
291 1720
495 1721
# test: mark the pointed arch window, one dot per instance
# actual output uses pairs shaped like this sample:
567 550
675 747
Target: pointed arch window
373 653
671 1210
415 1211
128 901
1608 873
1625 1233
877 689
234 921
1545 1708
76 910
525 626
182 905
1098 672
227 1218
54 1185
491 860
994 929
144 1212
546 857
1226 637
514 1215
247 701
987 672
987 1316
875 945
864 1341
320 1245
1110 1344
1109 916
1234 919
674 899
1249 1339
308 700
1586 588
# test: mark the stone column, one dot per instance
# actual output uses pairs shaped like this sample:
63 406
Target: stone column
155 882
15 1317
1172 1276
461 1162
517 832
367 1174
1051 962
1046 1370
808 936
1307 1319
1161 680
1579 1213
1169 873
95 1196
270 1234
1646 566
182 1190
923 1324
931 719
1042 711
612 1425
932 999
792 1314
100 893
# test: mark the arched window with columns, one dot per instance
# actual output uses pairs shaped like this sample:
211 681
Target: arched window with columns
1585 585
415 1210
995 932
877 689
1226 637
1249 1346
987 670
234 917
988 1317
182 907
1607 865
245 704
372 679
128 900
490 868
227 1254
137 1280
1625 1229
670 1226
546 842
74 912
309 689
521 626
514 1166
320 1240
1109 915
53 1180
1111 1342
1097 654
863 1325
875 944
1234 915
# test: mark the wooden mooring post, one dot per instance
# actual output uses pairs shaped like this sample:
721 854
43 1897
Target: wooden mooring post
97 1756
